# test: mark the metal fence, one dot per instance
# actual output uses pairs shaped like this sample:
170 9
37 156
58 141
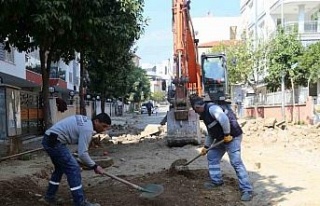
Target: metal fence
276 98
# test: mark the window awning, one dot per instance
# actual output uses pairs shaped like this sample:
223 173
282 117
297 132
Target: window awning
16 81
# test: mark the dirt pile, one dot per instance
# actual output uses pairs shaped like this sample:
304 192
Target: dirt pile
282 163
180 189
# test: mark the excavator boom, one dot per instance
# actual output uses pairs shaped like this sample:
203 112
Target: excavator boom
208 81
182 122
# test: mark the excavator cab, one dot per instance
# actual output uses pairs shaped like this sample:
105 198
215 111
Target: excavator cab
214 77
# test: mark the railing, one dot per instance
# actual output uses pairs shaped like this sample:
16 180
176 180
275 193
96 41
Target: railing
276 98
293 26
308 26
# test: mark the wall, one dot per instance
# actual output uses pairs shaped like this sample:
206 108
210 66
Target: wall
72 110
302 113
212 28
56 115
17 68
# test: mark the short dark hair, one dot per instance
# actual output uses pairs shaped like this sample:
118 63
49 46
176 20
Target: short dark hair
103 118
196 101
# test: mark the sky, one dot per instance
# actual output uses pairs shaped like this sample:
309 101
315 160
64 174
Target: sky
155 45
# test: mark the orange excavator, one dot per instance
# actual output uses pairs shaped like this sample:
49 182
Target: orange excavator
208 80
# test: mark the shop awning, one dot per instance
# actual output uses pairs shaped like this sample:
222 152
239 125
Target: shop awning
16 81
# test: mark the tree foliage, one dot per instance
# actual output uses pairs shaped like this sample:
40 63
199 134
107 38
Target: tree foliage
128 82
59 28
310 62
239 61
140 90
158 96
284 52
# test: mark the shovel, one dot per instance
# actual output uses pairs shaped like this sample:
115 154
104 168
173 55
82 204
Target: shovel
149 191
181 164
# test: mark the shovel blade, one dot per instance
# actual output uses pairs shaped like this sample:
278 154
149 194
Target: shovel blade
151 191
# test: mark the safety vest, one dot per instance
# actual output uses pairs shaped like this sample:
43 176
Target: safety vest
213 126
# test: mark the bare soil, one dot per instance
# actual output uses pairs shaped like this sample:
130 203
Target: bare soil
283 166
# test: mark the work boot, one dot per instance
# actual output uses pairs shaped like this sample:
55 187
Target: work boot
246 196
87 203
211 185
51 201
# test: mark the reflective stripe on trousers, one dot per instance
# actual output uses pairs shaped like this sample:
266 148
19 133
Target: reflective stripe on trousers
64 163
233 149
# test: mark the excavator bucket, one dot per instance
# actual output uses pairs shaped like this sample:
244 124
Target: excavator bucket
183 128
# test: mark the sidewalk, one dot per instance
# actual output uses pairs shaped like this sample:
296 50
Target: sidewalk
28 143
34 141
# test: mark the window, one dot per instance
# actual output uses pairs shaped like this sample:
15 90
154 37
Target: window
70 77
9 56
233 32
213 69
6 55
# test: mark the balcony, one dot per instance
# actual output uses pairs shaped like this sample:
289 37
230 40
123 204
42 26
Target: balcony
37 79
309 31
309 27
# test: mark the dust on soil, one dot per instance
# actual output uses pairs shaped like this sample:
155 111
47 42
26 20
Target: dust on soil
282 164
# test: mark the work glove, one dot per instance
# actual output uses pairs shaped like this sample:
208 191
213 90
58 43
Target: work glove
203 151
227 138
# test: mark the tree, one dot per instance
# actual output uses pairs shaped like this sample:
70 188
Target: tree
283 56
239 61
310 62
284 51
124 80
58 29
106 34
158 96
30 25
140 91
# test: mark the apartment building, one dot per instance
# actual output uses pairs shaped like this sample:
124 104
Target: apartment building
20 87
64 77
260 19
259 23
158 73
213 30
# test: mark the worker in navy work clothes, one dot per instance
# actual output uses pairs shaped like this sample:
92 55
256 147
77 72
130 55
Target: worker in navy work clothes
75 129
222 124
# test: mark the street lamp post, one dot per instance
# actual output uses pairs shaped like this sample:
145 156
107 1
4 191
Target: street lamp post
88 97
51 91
71 94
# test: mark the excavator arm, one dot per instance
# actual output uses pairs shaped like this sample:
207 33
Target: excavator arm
186 66
182 122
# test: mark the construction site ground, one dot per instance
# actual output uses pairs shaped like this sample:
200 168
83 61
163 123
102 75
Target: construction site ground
283 164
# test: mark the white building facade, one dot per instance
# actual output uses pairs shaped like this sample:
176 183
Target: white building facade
210 30
260 19
12 63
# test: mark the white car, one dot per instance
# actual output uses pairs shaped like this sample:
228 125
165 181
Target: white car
144 110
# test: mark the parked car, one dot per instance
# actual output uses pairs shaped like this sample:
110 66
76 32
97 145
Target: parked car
144 110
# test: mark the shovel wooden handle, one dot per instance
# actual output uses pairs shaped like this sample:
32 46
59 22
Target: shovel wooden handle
126 182
212 146
19 154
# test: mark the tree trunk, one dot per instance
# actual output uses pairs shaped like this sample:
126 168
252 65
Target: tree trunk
45 87
294 114
81 89
255 102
